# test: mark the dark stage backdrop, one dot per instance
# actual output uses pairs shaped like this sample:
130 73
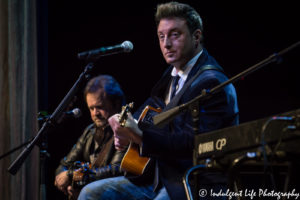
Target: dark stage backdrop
238 35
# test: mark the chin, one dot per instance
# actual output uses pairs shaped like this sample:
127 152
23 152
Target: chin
101 124
171 61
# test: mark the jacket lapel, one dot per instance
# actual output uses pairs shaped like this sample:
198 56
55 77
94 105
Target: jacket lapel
199 63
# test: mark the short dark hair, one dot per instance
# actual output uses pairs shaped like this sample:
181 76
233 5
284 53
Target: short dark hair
111 87
184 11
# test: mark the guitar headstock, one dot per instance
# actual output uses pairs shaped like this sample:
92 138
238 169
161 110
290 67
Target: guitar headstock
124 113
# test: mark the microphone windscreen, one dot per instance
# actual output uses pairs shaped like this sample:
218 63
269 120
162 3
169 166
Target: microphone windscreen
127 46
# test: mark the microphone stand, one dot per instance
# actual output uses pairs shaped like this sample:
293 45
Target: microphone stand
44 156
193 106
165 117
15 149
43 159
54 118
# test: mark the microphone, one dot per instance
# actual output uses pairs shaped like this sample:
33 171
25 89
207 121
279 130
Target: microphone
76 113
126 47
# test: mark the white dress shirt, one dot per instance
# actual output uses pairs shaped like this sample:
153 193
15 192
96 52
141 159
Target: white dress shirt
183 74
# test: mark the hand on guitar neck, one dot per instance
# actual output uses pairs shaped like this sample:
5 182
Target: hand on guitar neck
125 129
123 135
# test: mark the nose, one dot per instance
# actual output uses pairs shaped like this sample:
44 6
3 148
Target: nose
167 42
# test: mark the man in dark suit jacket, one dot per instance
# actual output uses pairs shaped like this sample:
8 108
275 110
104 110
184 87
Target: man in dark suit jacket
179 30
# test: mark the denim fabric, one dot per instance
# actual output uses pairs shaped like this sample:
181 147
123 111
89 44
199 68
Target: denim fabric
120 188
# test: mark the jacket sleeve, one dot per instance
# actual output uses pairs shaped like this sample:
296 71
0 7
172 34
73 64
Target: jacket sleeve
76 153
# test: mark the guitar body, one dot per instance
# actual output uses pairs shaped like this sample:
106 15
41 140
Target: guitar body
78 181
132 161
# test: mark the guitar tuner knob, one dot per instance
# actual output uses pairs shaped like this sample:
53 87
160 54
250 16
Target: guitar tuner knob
124 113
131 105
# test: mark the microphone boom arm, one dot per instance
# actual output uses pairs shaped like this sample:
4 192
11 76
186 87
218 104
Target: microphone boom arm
165 117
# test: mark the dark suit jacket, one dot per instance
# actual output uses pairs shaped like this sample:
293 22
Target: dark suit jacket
172 146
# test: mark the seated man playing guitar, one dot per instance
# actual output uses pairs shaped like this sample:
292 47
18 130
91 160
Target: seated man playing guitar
94 156
170 147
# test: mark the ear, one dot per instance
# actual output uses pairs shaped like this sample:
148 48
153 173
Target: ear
197 36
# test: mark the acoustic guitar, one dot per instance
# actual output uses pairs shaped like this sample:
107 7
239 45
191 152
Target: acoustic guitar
80 170
132 162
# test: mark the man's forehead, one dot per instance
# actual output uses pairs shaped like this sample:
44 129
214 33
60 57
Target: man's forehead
100 94
167 23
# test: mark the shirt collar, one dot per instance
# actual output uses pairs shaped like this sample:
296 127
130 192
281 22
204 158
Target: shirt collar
183 73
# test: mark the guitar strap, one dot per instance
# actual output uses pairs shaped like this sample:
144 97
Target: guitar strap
103 154
174 101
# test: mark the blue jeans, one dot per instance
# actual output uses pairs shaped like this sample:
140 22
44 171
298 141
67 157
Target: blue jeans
120 188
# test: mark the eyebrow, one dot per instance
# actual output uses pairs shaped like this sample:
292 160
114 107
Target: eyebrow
172 30
97 105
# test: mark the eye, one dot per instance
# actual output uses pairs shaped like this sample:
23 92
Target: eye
161 37
99 107
96 107
175 34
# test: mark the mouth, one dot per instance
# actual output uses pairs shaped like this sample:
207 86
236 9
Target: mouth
170 54
100 122
99 119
